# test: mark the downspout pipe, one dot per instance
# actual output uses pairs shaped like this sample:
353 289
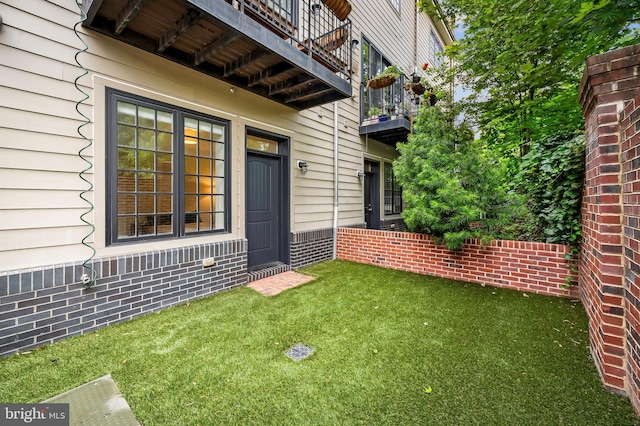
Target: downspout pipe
335 180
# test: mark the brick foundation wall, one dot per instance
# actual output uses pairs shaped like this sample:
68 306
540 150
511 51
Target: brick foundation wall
610 260
523 266
309 247
43 305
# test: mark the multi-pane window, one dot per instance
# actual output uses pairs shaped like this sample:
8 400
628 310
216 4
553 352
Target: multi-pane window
204 174
167 170
392 191
436 47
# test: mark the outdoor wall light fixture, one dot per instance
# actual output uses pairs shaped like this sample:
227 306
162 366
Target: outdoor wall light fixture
232 89
302 165
316 8
354 43
360 175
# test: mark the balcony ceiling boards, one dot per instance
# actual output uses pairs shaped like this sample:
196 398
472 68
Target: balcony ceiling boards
216 38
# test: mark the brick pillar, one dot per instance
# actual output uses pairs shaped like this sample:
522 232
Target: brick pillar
611 208
630 132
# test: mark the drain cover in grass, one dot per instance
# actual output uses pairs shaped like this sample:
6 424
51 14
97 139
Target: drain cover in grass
299 352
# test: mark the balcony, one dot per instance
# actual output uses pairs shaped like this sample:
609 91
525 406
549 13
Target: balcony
295 52
387 114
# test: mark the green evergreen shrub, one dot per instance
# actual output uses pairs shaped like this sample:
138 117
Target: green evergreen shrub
452 186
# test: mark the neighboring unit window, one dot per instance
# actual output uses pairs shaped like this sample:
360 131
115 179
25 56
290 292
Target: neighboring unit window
436 47
392 191
396 4
376 102
167 170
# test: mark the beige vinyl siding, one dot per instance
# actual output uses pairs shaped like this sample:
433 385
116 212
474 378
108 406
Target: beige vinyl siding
22 80
42 180
15 119
34 198
313 143
46 247
39 185
15 220
44 161
39 141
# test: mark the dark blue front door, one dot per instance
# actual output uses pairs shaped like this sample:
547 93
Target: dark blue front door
263 210
372 195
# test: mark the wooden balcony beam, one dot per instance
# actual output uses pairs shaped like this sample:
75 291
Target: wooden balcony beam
308 93
218 45
178 28
245 61
273 71
128 12
297 82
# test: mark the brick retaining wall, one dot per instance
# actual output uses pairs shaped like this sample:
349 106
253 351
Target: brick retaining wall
529 267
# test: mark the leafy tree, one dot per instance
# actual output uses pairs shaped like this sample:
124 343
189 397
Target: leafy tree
523 59
604 14
451 186
551 175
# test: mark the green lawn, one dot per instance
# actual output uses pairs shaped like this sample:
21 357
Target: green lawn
391 348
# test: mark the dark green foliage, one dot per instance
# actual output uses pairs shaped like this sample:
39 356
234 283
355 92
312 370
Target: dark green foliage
522 61
451 185
602 15
551 176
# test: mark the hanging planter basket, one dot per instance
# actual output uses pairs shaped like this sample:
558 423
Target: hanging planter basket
380 82
432 98
418 88
341 8
333 40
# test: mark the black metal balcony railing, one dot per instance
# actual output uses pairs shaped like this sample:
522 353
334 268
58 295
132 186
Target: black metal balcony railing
390 102
280 15
387 114
295 52
320 33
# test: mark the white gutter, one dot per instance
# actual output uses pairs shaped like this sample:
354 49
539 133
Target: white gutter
335 180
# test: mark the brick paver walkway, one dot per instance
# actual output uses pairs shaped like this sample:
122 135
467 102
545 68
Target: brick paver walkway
278 283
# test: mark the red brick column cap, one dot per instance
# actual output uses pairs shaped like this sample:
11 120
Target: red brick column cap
610 77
